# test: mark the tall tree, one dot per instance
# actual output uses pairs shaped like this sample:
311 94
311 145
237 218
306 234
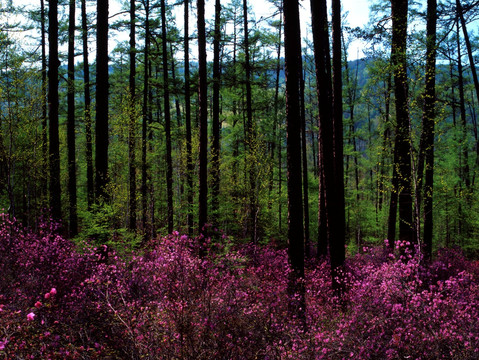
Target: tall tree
87 111
144 121
399 13
72 177
189 162
337 218
215 145
203 118
44 96
132 125
324 89
166 98
292 50
101 128
250 137
330 138
54 148
428 124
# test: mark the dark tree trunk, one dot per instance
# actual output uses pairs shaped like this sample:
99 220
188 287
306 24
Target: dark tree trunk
292 49
189 162
44 99
166 97
53 102
336 207
132 127
399 10
250 136
203 119
215 146
428 124
72 177
101 129
87 113
144 125
325 142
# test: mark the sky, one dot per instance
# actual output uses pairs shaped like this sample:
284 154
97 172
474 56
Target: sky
357 10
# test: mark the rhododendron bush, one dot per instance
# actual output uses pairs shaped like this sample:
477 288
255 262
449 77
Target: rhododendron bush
165 302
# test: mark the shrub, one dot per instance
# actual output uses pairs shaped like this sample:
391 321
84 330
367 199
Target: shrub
168 303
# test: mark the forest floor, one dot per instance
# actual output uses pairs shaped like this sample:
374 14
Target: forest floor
59 301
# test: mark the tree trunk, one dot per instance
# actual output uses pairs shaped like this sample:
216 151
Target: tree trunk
250 136
215 146
44 99
203 119
72 178
132 127
87 113
325 142
336 205
101 129
292 49
54 149
189 162
428 124
144 125
166 97
399 10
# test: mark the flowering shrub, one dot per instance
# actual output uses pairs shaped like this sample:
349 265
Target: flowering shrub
168 303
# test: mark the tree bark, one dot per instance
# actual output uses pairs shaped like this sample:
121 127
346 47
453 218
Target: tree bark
215 146
189 162
428 124
203 119
132 125
325 142
399 9
292 48
337 206
250 136
44 99
72 178
101 129
166 98
54 148
144 125
87 111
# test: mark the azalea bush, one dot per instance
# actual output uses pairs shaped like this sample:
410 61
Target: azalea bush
167 302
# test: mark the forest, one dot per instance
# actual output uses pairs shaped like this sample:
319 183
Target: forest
176 184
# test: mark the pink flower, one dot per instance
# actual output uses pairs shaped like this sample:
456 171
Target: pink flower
53 291
38 304
2 344
30 316
47 295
